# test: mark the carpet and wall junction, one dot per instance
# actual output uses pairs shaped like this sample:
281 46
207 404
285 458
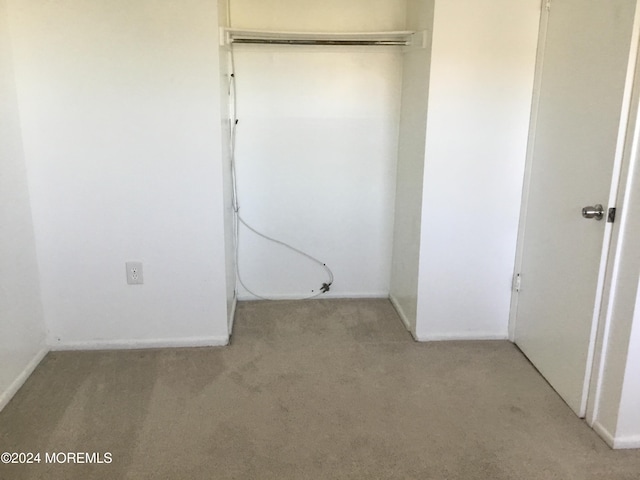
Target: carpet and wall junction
322 389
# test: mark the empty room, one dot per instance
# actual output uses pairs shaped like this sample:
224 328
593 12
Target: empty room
272 239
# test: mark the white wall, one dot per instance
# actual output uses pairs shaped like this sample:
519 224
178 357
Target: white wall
314 16
316 148
410 171
120 108
483 60
22 331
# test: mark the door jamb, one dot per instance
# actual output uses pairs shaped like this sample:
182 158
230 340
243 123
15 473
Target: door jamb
533 121
628 144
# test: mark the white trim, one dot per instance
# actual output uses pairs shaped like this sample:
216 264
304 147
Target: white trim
232 315
442 337
621 443
7 395
528 166
212 341
243 297
617 443
613 264
628 145
616 181
604 433
400 312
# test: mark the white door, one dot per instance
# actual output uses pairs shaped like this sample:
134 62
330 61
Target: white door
582 66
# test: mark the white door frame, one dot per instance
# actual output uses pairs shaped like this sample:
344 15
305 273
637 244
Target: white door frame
601 316
630 163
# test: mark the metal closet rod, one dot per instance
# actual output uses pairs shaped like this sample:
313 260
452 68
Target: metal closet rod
264 41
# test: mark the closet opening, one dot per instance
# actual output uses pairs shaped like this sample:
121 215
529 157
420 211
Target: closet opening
314 130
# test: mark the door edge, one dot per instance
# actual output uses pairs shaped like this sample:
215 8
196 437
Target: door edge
526 181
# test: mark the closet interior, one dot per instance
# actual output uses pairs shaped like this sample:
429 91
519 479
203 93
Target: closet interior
330 121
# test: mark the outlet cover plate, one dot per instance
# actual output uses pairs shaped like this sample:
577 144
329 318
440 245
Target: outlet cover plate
134 273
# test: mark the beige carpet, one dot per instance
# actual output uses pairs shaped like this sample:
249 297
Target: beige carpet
309 390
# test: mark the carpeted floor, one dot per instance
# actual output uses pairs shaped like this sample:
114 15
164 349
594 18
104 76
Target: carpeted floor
325 389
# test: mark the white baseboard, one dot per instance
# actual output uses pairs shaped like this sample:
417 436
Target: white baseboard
444 337
329 295
623 443
617 443
400 312
7 395
146 343
604 433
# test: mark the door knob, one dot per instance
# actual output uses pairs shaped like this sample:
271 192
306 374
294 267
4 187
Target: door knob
597 212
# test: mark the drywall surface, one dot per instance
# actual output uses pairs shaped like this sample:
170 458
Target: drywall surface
120 107
480 92
314 16
22 331
316 150
410 170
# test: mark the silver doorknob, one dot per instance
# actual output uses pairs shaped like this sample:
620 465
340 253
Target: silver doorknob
597 212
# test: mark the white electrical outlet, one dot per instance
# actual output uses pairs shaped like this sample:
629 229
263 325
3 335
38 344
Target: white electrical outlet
134 273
